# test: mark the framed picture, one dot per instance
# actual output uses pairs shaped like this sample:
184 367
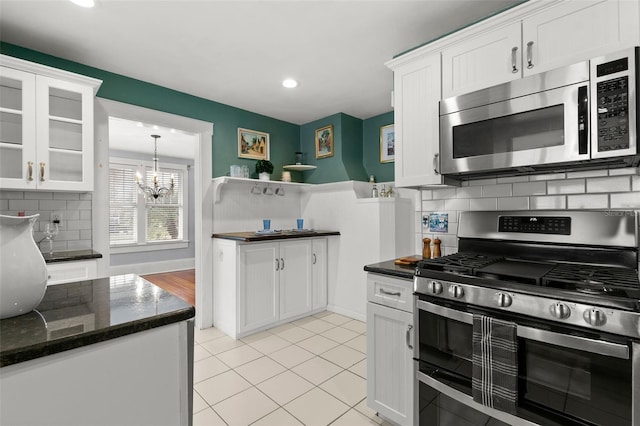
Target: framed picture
324 142
439 222
387 144
253 144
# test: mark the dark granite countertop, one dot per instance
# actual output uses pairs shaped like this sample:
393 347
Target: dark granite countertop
79 314
70 256
391 269
276 235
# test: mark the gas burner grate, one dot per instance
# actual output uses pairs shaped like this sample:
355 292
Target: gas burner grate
461 263
592 279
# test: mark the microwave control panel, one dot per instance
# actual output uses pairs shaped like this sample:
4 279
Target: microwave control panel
613 114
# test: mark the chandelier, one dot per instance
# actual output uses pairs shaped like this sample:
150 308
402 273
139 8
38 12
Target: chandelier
154 191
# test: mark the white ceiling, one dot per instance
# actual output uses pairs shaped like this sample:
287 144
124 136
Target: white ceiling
238 52
127 135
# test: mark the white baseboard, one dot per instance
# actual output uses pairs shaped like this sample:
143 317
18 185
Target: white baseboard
347 313
153 267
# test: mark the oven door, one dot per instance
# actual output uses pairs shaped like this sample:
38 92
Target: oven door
527 131
563 379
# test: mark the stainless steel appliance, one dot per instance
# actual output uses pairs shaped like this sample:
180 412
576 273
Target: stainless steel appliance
583 115
567 282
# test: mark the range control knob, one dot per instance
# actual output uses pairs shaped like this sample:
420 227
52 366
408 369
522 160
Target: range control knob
560 310
503 299
595 317
435 287
456 291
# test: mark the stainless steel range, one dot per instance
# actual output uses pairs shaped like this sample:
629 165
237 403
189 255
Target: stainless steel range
536 320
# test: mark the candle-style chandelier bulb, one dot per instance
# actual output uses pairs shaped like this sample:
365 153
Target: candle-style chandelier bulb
154 191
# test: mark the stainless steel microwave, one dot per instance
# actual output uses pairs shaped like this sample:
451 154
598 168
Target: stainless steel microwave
580 116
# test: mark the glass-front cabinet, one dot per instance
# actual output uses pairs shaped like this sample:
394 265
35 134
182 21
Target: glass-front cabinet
46 128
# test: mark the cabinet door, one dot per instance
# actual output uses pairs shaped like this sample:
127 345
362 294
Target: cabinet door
390 363
17 129
482 61
575 31
295 278
64 134
417 90
258 287
319 268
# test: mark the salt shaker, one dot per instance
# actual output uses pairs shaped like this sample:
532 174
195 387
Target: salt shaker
436 247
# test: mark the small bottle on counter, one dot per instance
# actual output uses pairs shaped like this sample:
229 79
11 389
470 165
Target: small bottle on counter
426 248
383 193
374 191
436 248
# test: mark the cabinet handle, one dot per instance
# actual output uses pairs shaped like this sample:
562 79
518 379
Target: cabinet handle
282 267
42 172
277 264
389 293
514 65
314 258
530 55
408 336
30 166
436 163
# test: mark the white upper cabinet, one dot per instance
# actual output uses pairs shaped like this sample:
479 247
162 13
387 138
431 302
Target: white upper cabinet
46 128
575 31
536 41
484 60
416 95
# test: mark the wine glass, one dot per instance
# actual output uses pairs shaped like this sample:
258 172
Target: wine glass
50 232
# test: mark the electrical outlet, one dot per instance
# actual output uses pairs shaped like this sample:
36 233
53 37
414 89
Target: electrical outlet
56 217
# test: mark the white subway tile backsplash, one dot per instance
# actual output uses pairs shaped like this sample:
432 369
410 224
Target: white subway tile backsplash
4 205
52 205
500 190
457 204
629 200
609 184
483 204
427 194
79 205
86 196
78 224
513 203
481 182
444 194
550 202
23 205
635 183
513 179
38 195
66 196
469 192
623 171
432 205
530 188
549 176
573 186
586 174
588 201
11 195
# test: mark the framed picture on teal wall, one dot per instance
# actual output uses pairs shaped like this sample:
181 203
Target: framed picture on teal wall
253 144
387 144
324 142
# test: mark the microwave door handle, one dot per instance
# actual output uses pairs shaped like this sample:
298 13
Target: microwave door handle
583 120
566 340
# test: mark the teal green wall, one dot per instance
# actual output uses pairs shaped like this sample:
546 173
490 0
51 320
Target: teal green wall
356 141
371 148
284 137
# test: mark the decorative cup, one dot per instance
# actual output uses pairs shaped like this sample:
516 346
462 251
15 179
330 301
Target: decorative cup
266 224
300 223
286 176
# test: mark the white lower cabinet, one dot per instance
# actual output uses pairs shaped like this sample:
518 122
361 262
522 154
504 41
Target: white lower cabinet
390 369
66 272
259 285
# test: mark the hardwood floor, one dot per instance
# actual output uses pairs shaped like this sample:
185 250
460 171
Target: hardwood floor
179 283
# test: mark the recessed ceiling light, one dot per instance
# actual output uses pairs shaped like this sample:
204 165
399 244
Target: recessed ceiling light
84 3
290 83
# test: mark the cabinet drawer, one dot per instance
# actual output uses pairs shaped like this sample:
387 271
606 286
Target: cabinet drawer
393 292
65 272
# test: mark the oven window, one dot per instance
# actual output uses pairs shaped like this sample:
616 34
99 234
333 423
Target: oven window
584 385
535 129
446 343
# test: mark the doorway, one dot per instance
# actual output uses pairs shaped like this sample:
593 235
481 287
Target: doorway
107 111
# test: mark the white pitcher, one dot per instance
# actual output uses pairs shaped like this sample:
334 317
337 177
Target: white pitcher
23 272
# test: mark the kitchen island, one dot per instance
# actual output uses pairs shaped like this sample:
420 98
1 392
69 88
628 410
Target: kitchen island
107 351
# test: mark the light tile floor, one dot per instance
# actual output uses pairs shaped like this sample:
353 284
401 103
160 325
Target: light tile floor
310 372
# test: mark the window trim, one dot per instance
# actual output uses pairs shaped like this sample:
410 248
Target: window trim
141 206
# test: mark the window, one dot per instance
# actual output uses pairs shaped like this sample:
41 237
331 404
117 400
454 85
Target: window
140 223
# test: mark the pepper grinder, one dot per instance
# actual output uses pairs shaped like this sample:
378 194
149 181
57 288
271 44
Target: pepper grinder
436 247
426 248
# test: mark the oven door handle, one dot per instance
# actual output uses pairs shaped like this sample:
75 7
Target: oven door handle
566 340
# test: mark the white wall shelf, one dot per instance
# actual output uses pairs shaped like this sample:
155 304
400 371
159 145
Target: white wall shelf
299 167
220 182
